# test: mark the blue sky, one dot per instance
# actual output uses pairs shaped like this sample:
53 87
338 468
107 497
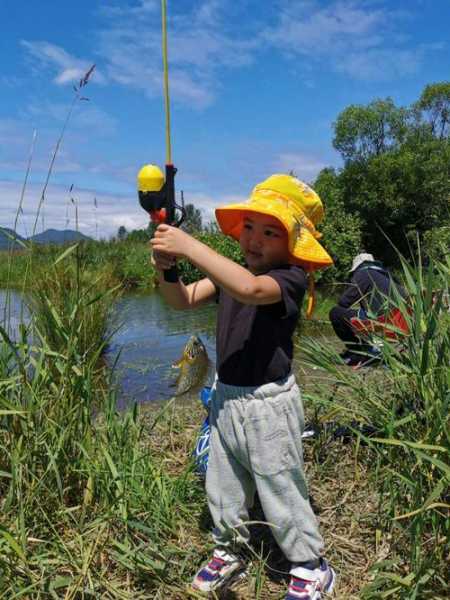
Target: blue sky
255 87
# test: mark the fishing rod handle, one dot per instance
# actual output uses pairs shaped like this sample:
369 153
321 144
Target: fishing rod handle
171 275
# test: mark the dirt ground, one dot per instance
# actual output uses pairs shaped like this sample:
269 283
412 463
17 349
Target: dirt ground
342 495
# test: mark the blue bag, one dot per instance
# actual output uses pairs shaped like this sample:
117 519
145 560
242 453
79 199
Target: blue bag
201 451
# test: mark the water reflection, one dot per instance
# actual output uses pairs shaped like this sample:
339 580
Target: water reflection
148 338
13 312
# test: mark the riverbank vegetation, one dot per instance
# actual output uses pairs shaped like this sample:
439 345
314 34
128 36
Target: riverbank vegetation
406 405
97 503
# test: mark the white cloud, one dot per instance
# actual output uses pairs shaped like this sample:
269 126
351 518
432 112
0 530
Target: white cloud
199 47
58 211
143 7
111 212
86 117
312 28
66 67
305 167
12 133
362 39
358 38
130 50
381 64
85 125
207 203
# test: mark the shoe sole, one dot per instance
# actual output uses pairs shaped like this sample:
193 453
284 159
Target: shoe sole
330 586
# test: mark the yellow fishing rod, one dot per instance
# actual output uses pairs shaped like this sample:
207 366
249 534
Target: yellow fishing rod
156 192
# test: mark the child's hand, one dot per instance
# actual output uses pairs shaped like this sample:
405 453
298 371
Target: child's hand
171 240
162 261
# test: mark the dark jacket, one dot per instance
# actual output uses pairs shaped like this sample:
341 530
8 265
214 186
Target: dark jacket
371 286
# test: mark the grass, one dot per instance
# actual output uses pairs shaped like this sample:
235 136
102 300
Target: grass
101 504
126 263
94 503
83 500
408 404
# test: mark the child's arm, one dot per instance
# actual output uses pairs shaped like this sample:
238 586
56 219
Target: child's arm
236 280
178 295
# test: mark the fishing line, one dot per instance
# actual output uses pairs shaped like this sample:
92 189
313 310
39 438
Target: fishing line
166 80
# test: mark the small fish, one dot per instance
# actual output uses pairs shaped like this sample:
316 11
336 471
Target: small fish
193 366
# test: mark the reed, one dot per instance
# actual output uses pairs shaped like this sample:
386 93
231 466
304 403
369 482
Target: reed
88 510
408 403
84 503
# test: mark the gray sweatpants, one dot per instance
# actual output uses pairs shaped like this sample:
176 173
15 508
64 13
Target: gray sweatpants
255 445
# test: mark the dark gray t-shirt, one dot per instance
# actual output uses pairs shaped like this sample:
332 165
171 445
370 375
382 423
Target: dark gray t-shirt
254 343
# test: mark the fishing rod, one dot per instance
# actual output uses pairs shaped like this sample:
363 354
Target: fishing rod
156 192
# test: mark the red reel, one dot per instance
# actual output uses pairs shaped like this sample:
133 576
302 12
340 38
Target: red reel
158 216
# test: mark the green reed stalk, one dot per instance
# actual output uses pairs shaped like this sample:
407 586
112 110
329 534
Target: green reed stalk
84 503
408 403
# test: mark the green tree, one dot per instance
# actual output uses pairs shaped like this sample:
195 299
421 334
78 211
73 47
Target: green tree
139 235
341 229
433 108
122 233
193 219
221 243
396 175
399 194
365 131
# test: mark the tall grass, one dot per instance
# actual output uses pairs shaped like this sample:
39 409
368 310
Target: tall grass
408 403
86 510
128 263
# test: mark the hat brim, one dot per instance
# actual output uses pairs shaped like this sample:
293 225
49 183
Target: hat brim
305 250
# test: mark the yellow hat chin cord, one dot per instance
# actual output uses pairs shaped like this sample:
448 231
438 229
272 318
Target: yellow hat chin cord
311 296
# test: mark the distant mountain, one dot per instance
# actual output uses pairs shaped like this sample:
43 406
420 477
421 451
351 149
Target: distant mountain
56 236
6 242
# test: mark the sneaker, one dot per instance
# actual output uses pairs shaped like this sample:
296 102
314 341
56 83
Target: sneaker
309 431
221 570
308 584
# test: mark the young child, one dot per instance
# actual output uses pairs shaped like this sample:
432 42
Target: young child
256 410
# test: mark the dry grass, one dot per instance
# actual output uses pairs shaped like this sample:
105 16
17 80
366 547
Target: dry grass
342 495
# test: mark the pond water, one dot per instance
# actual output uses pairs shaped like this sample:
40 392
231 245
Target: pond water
147 337
13 312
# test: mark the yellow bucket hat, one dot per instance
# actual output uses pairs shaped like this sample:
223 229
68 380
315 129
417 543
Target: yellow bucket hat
298 208
295 205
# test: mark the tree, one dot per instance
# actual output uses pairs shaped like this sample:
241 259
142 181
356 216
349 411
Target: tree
341 229
433 107
140 235
121 233
193 219
365 131
400 193
396 177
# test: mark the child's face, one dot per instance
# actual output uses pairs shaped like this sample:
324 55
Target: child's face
264 242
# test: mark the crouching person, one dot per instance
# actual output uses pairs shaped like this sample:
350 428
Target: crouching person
367 293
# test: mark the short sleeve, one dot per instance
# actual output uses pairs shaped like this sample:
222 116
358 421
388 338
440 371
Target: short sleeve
293 285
